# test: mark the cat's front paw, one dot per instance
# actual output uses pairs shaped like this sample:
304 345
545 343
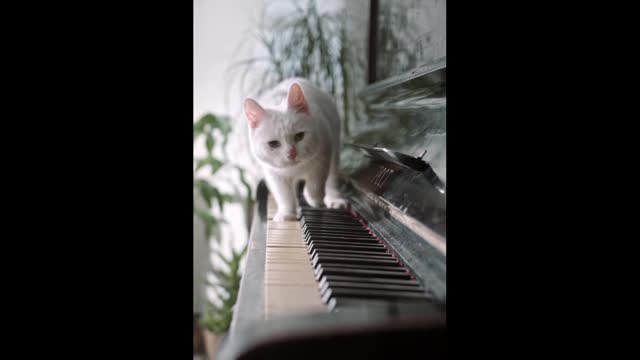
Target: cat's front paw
281 217
336 202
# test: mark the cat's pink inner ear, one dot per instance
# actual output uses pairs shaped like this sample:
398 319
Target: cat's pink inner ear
296 100
255 113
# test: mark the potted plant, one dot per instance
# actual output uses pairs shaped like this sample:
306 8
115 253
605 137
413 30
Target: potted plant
215 130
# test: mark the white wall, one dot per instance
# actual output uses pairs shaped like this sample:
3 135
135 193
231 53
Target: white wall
220 29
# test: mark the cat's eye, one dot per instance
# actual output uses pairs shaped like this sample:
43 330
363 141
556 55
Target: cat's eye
274 144
299 136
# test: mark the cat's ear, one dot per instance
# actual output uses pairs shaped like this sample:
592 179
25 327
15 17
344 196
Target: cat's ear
254 112
296 100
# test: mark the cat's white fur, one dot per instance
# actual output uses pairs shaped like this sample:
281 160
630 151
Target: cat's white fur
294 106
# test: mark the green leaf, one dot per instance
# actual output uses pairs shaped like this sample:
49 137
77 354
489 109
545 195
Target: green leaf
198 129
207 125
242 252
225 129
225 260
206 190
214 163
209 193
210 143
222 199
245 183
210 222
209 122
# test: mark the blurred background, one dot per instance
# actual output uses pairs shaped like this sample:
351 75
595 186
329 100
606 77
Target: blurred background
243 47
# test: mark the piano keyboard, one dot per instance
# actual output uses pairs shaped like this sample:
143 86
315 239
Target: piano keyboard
329 260
352 265
289 284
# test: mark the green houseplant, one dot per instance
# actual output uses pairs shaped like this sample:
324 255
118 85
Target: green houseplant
217 317
215 131
304 41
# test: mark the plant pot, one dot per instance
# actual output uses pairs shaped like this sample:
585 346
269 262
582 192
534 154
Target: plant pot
211 343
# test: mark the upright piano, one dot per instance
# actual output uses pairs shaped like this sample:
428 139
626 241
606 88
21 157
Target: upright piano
368 282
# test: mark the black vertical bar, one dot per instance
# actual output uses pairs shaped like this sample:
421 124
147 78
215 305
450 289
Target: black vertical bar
373 39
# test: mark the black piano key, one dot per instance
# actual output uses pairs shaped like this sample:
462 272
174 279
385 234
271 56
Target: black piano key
369 286
335 304
389 267
337 235
380 264
328 219
362 273
312 227
343 246
360 239
330 278
360 247
339 217
334 226
340 237
339 252
328 222
346 241
347 246
370 243
372 294
379 255
317 269
348 260
308 226
383 256
328 211
342 249
337 230
319 220
348 253
329 232
316 224
315 209
317 272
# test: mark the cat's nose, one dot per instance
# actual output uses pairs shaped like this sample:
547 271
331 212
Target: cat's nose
292 153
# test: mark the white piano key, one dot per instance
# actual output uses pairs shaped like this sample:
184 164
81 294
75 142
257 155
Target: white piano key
290 285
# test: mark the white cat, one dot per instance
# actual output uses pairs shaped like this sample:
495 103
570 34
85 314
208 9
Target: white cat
294 133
